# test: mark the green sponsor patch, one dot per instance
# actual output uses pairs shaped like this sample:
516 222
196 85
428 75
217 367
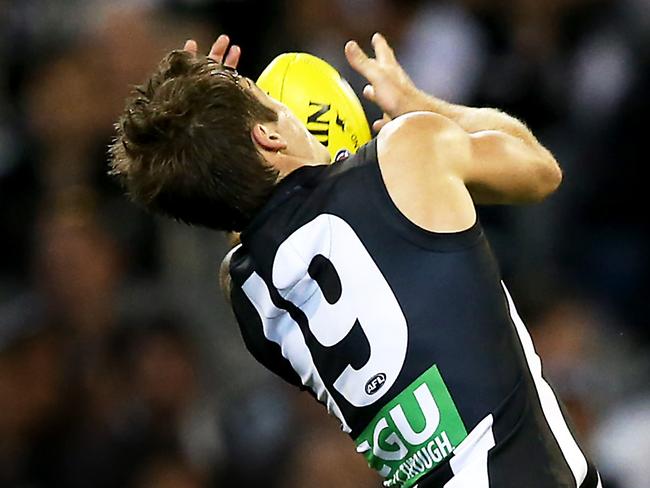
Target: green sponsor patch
414 432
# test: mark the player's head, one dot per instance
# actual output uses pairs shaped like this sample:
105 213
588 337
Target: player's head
201 144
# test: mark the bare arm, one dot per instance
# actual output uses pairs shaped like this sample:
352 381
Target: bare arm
511 165
507 164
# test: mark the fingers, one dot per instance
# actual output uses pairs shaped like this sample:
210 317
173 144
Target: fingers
369 93
379 124
360 62
218 51
219 48
383 51
232 59
191 47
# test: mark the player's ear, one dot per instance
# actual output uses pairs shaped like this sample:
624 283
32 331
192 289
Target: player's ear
267 138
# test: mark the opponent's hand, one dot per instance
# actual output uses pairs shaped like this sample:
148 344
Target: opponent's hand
390 87
218 51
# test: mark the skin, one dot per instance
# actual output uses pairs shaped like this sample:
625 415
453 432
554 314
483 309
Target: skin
285 144
437 159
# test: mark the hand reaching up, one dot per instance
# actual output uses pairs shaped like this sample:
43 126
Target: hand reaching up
389 85
218 51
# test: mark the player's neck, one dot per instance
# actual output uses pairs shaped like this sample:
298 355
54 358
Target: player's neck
286 163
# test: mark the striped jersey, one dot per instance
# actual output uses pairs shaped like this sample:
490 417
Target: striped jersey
408 337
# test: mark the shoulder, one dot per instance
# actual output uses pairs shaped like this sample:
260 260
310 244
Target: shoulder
423 136
422 120
418 156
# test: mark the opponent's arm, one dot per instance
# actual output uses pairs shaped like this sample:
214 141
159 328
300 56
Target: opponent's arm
506 163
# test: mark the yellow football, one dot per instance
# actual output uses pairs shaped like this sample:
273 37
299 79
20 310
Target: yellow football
317 94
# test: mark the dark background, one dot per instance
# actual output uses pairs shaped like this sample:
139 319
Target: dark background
120 364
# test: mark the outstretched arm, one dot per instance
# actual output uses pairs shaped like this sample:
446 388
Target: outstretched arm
507 164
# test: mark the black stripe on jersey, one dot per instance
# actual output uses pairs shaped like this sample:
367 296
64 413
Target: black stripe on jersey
591 480
524 439
438 477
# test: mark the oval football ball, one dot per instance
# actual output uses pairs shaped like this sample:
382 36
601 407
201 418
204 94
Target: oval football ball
321 99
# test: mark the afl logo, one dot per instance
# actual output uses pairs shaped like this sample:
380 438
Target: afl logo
341 155
375 383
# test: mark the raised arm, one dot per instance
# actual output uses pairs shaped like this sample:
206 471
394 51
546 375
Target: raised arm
503 161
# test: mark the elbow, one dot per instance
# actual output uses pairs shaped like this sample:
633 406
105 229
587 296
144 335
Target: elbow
553 176
548 180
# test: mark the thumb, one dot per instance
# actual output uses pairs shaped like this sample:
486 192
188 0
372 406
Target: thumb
379 124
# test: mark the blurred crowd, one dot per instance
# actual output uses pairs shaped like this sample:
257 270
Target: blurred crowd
120 364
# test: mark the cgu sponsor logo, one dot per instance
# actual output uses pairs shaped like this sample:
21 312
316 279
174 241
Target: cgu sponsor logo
375 383
407 434
404 452
414 432
423 460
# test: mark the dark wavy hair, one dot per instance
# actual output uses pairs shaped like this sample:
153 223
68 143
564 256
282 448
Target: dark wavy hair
184 148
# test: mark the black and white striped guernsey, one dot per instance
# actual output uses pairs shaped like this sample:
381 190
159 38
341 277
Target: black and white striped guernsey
408 337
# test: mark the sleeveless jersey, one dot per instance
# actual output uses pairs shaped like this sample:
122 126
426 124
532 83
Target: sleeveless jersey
408 337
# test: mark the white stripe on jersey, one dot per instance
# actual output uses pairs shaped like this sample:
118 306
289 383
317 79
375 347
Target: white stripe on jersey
550 406
470 461
280 328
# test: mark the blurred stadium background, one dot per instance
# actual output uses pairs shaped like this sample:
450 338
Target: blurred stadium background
120 365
